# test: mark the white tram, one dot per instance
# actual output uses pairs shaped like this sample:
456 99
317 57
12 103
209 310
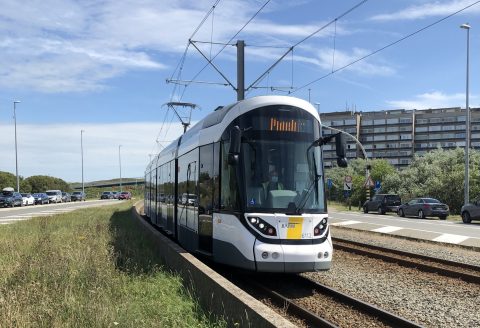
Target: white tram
245 186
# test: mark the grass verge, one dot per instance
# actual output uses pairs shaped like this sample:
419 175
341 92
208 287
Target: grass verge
89 268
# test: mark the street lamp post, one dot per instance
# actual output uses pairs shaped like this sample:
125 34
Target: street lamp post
81 148
120 164
467 123
15 102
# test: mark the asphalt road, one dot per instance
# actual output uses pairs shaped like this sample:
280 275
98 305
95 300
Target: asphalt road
12 215
429 229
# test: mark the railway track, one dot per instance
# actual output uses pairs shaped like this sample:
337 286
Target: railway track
317 305
466 272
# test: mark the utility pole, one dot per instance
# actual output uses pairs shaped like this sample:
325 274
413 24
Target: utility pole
15 102
120 164
81 149
240 70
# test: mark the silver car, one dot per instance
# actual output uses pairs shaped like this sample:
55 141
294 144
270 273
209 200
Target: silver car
470 212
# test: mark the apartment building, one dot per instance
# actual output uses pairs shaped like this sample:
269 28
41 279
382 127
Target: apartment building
397 135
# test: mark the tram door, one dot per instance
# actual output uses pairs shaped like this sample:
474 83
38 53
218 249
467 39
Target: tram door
206 198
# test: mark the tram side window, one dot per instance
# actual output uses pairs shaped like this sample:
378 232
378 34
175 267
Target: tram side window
229 198
216 175
206 180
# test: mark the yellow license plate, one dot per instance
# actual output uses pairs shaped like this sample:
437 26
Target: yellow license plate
294 230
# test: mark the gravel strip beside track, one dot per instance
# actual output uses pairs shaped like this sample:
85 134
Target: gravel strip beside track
427 299
443 251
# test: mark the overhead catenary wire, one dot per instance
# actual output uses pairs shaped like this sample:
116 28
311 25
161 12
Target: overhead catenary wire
386 46
181 62
262 76
227 43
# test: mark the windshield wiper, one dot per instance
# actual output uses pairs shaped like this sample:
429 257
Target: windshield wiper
305 196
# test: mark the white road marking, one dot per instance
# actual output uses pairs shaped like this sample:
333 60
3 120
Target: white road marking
452 239
387 229
343 223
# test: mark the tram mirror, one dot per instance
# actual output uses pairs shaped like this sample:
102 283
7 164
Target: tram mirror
340 146
235 143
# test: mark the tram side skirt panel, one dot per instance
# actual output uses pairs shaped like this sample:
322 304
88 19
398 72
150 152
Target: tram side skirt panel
232 242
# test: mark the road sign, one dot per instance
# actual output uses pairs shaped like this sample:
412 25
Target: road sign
329 183
377 184
348 178
347 186
369 182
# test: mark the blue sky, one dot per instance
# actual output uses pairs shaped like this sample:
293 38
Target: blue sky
102 66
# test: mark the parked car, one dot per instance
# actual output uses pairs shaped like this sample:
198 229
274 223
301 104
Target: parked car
424 207
383 203
9 197
66 197
54 196
78 195
41 198
115 194
188 199
125 195
471 211
106 195
28 199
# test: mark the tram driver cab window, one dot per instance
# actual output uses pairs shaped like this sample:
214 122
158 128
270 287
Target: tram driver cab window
273 183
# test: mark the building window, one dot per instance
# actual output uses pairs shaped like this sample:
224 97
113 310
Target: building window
422 121
406 136
350 122
379 137
367 122
379 130
393 137
421 129
392 121
392 129
406 120
379 122
434 128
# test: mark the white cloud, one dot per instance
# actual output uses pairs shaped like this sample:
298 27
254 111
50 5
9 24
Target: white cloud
69 46
431 9
54 149
326 60
434 99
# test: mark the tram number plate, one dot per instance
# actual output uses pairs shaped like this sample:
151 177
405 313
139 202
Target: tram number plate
294 228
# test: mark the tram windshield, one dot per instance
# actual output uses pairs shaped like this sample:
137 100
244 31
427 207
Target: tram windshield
282 172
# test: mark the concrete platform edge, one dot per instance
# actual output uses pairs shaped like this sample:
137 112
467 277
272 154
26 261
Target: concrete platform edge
215 294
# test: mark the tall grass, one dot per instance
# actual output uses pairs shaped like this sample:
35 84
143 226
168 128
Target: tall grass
89 268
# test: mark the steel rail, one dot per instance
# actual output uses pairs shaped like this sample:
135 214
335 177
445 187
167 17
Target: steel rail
294 309
382 315
314 320
413 261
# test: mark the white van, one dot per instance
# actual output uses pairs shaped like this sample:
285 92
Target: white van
54 196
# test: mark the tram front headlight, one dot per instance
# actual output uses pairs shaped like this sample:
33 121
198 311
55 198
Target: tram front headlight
321 227
262 226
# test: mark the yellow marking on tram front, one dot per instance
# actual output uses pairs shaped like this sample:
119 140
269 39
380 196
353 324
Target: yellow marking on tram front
294 230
